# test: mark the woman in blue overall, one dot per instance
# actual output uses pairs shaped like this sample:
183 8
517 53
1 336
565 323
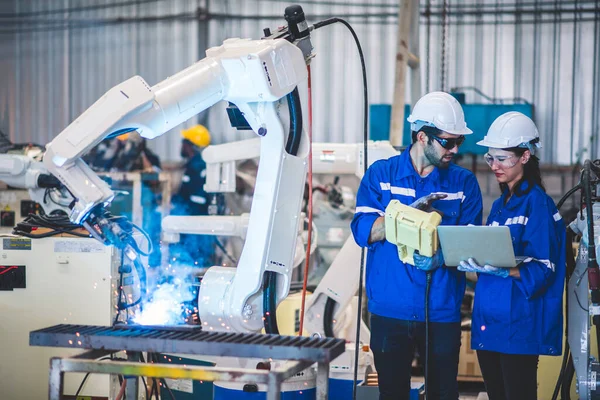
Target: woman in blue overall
517 314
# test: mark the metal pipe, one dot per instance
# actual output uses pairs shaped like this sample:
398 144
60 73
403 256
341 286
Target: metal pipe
427 45
495 66
574 77
555 86
595 90
322 381
273 388
536 54
56 379
132 386
517 57
478 79
357 19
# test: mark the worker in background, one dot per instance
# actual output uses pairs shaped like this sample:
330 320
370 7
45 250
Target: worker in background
126 153
517 313
422 176
192 199
133 154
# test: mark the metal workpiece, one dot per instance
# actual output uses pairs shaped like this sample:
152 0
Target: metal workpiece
189 340
301 353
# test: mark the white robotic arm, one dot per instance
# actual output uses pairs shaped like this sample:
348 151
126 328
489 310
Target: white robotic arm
23 172
253 75
245 72
327 158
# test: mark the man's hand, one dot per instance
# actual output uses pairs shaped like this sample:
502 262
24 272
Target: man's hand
424 203
428 263
472 266
377 230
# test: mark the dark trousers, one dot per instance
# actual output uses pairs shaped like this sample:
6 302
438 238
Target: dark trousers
509 376
393 344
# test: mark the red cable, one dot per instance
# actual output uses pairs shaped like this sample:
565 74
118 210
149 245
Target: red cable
309 206
122 390
6 269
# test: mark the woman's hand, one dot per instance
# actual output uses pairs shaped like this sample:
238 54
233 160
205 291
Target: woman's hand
472 266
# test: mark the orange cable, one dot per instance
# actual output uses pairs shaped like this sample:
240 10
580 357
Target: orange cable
309 206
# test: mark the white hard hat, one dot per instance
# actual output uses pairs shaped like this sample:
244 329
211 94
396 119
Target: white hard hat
512 129
440 110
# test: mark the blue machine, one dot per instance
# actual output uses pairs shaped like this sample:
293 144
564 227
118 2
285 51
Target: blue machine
479 118
192 390
231 394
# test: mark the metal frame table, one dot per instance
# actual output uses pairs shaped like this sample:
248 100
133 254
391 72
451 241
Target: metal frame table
301 353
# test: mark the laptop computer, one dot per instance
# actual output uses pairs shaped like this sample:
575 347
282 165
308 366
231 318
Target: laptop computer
486 244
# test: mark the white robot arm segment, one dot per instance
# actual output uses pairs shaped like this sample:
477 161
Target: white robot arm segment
25 173
220 163
327 158
20 171
220 225
253 75
241 71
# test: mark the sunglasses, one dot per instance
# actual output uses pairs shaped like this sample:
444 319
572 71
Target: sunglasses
448 144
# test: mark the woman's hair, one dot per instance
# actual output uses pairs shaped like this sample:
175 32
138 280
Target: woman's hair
531 173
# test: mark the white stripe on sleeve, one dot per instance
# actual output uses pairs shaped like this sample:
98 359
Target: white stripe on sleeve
547 263
364 209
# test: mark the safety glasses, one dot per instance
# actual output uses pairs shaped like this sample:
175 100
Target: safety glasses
502 161
448 144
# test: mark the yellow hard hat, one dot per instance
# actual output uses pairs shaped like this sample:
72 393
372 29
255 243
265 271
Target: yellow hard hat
123 137
198 135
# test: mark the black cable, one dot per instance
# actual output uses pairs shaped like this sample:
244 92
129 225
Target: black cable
141 272
365 164
81 385
569 373
57 223
147 236
270 302
561 375
328 317
164 382
295 134
567 195
270 277
85 379
143 380
120 294
579 302
427 288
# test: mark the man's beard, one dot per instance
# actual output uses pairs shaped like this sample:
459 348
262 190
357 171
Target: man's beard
434 158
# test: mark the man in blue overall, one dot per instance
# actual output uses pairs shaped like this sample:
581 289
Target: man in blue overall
423 177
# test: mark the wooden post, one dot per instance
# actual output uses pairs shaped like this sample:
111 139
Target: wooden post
403 56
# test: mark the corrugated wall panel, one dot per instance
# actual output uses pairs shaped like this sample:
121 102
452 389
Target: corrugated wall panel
49 76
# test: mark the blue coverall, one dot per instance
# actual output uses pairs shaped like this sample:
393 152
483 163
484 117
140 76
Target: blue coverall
522 316
396 291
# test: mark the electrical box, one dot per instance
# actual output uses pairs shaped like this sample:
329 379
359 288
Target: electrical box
12 209
7 218
45 282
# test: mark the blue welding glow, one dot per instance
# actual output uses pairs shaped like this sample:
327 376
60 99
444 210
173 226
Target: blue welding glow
166 304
